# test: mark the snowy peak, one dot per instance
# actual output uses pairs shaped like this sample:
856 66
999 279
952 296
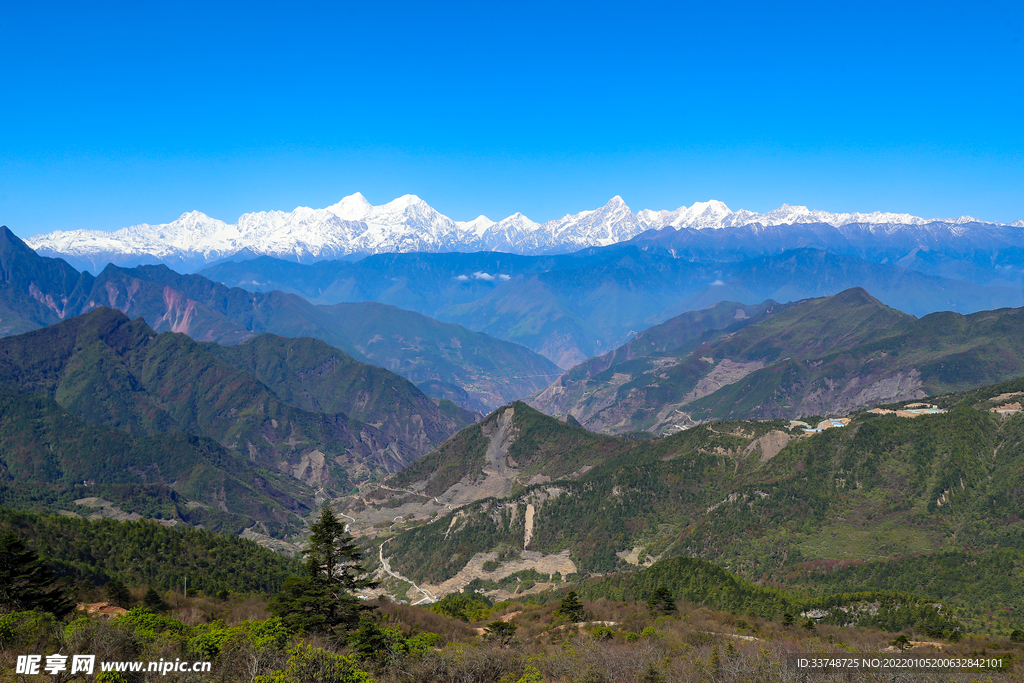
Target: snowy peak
613 222
408 223
353 207
478 226
715 214
615 202
710 214
410 211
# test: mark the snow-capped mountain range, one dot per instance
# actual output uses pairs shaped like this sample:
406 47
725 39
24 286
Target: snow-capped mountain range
408 224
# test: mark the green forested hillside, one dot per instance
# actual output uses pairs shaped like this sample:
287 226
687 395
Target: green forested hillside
311 375
449 360
110 370
145 553
940 352
704 583
829 356
102 400
49 458
984 587
883 487
697 581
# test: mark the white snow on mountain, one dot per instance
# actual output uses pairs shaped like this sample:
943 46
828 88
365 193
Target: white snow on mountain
407 224
515 233
478 226
701 215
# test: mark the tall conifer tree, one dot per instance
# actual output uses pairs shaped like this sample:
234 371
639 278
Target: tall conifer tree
25 580
323 600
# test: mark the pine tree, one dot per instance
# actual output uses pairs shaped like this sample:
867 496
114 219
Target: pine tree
322 601
500 632
117 594
25 580
153 601
652 675
661 602
571 608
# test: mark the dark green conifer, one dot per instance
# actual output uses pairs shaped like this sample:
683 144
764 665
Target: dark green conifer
571 608
26 582
661 602
500 632
152 600
323 600
117 594
652 675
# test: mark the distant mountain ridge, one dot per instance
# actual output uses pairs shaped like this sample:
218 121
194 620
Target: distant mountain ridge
475 370
821 356
571 307
409 224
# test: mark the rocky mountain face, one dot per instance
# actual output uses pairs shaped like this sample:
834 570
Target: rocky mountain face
513 447
409 224
34 291
476 371
824 356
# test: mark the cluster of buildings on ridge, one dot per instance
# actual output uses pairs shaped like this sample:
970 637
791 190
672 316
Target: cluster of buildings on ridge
909 410
827 423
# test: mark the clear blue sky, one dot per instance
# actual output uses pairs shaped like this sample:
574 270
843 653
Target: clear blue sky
113 115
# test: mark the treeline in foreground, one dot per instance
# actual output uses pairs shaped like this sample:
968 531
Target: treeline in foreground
145 553
680 620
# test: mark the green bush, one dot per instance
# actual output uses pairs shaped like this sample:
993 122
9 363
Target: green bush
467 607
308 664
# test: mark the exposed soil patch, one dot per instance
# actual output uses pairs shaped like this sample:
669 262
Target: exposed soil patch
770 445
474 569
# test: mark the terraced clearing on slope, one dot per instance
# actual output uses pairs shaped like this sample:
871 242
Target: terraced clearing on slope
560 564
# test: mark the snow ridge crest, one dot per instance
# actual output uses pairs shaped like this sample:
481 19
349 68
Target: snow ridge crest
408 223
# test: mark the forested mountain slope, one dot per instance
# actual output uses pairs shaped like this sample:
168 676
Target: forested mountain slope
571 307
449 361
109 370
316 377
819 356
144 553
761 498
101 400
